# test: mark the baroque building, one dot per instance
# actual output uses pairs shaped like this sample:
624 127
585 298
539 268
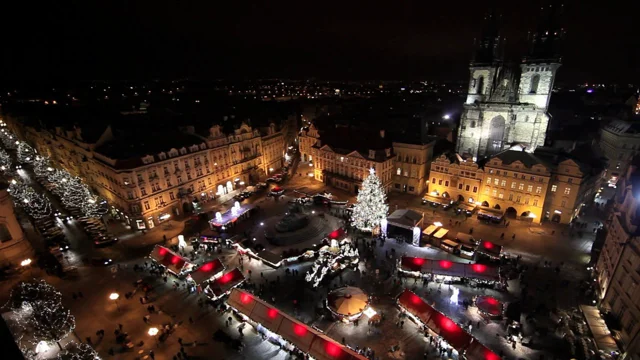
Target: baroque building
547 184
618 267
149 179
620 142
507 104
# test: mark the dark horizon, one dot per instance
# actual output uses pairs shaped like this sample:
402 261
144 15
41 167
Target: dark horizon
411 41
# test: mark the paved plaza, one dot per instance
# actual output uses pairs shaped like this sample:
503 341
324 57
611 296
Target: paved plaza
194 321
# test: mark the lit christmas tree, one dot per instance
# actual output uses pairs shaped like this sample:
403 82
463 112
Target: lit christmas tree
8 140
5 162
42 167
75 351
60 178
94 207
35 204
38 307
75 194
371 207
25 154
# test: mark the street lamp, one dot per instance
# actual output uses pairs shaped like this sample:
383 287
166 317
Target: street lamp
114 296
25 262
153 332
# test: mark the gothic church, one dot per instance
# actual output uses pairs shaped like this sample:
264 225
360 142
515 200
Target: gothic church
507 104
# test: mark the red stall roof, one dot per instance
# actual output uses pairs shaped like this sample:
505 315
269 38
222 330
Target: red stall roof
445 327
168 258
206 271
226 282
450 268
489 248
337 234
305 338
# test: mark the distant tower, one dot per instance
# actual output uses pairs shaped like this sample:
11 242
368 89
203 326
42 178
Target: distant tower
14 247
507 104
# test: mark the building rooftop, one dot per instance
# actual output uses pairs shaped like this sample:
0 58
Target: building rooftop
511 156
345 139
623 127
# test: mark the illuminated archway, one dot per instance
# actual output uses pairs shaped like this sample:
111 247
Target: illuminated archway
497 207
485 204
221 190
229 186
511 212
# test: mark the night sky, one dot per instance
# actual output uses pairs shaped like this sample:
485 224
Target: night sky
349 39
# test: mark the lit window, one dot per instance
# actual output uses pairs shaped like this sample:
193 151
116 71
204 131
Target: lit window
494 192
496 181
488 180
529 188
399 171
501 195
554 188
567 190
521 186
513 185
503 183
538 189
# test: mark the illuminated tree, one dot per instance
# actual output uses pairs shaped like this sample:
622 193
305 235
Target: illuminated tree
8 139
371 207
35 204
38 307
5 162
42 167
60 178
75 194
95 206
75 351
26 154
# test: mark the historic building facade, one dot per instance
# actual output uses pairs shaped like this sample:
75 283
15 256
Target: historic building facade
620 142
412 166
508 104
618 267
150 188
544 185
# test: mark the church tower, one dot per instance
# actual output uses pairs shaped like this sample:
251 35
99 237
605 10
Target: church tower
507 104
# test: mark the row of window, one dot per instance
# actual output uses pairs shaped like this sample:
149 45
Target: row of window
503 183
460 185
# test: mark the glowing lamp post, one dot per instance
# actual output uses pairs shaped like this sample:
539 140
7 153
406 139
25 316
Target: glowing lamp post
115 296
153 332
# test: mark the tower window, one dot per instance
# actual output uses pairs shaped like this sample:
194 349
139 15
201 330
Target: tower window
480 87
535 80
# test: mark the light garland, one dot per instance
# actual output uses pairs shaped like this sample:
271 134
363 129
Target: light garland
371 207
8 139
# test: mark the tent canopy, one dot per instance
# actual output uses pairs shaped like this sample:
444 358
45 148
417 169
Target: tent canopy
450 268
226 282
490 305
430 230
451 332
305 338
172 261
489 248
347 300
405 218
206 271
440 233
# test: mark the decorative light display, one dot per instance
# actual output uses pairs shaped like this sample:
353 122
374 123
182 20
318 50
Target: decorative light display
41 166
329 261
25 154
371 207
75 351
8 140
454 297
35 204
38 308
5 162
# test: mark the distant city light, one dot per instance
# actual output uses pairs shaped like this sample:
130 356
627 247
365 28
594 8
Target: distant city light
589 91
446 116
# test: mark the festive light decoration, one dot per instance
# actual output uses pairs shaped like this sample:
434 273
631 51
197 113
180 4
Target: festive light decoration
75 351
8 139
371 207
38 308
5 162
35 204
25 154
41 166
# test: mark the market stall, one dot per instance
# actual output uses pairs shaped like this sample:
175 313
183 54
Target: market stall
489 214
401 224
276 191
492 250
439 236
430 230
222 221
210 270
489 307
286 331
438 324
435 200
347 303
224 284
332 259
173 262
449 269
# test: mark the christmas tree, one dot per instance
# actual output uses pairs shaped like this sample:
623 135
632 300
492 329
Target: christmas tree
371 207
25 154
5 162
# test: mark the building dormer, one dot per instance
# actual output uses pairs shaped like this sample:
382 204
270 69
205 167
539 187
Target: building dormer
183 151
193 148
173 152
148 159
388 152
162 156
372 154
214 131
